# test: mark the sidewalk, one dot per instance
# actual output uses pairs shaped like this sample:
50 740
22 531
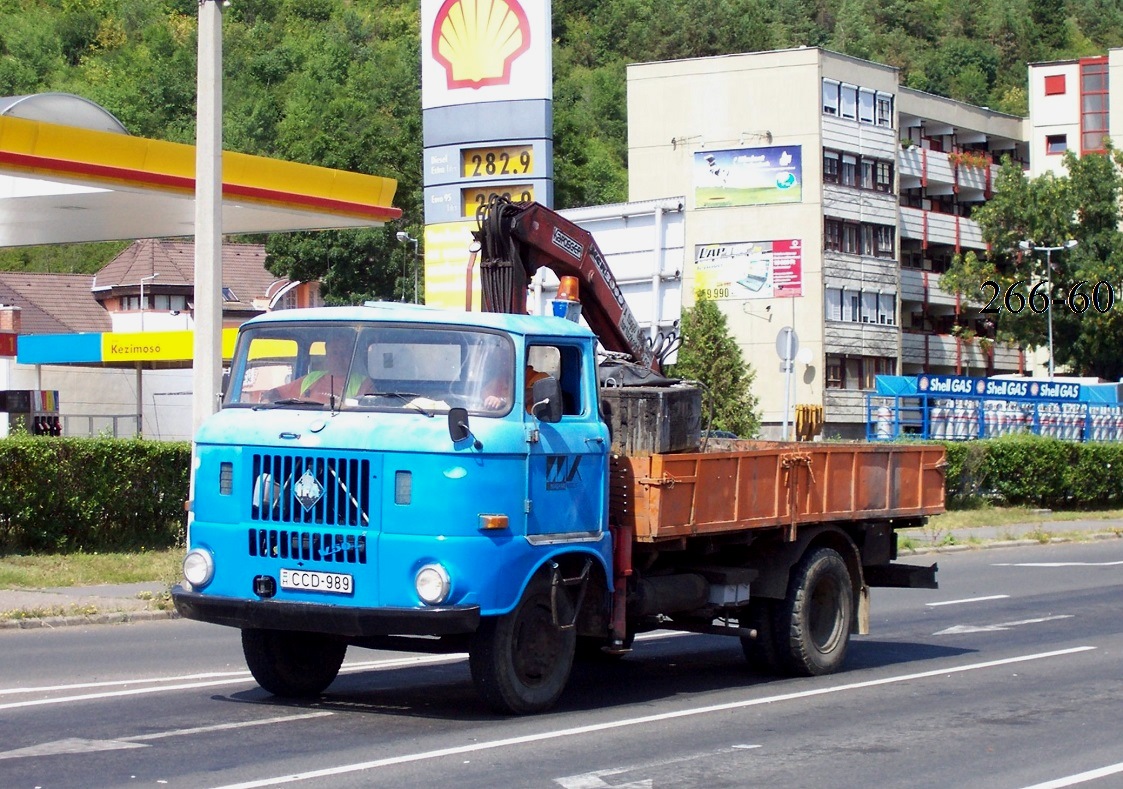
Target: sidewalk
108 604
83 605
932 538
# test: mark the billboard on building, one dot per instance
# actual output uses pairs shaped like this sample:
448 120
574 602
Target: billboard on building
749 269
748 176
476 51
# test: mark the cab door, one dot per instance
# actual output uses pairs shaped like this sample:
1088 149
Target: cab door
567 495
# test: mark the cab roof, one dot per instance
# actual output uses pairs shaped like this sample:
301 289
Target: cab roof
395 312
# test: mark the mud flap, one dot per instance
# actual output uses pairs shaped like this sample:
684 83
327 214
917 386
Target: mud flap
902 576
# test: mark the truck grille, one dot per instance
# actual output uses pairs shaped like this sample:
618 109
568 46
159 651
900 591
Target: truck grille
311 490
308 546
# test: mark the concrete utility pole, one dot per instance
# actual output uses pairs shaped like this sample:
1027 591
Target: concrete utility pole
207 367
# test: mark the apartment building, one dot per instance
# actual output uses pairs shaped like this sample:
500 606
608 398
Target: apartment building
825 197
1071 108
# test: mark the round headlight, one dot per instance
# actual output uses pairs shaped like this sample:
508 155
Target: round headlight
198 567
432 584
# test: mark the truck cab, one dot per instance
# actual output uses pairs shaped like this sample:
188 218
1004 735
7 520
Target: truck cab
372 467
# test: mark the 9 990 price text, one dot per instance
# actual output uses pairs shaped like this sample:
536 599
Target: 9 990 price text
1040 298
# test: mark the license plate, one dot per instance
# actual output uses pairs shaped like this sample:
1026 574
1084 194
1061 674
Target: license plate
310 581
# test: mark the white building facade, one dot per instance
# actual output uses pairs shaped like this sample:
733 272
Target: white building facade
823 196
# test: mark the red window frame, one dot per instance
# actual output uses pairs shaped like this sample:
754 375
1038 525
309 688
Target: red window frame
1094 122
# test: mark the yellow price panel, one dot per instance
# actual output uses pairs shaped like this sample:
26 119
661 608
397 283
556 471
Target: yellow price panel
496 162
473 199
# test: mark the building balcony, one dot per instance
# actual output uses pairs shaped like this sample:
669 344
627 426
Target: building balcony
948 354
923 287
943 173
937 228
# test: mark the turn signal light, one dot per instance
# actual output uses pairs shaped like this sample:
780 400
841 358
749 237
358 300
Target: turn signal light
493 522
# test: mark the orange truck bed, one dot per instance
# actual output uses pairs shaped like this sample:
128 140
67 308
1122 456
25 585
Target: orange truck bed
758 484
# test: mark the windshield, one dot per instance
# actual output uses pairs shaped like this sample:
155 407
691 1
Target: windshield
421 369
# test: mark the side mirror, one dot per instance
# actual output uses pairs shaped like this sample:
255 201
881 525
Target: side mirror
547 398
458 424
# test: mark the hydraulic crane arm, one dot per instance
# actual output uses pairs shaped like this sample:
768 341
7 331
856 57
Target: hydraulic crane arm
516 239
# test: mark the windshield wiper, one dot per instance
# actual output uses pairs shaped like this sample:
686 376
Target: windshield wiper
406 397
296 401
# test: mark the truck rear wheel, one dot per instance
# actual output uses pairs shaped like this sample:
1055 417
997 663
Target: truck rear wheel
813 622
292 664
520 661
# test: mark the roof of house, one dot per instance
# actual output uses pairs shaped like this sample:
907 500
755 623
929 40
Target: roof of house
53 303
243 270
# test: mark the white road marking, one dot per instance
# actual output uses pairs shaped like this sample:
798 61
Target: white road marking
235 678
960 629
595 779
1058 564
968 600
1072 780
79 745
640 721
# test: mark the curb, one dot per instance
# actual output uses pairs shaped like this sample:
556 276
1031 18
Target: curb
110 618
961 547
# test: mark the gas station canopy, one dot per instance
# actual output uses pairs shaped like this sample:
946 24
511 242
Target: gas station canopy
62 183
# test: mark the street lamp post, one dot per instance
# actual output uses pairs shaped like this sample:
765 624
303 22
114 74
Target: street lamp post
1029 246
143 303
404 238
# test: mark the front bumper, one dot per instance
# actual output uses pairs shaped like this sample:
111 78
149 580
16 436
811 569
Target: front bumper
339 620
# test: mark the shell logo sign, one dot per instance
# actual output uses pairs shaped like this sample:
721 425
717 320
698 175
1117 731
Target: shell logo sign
478 41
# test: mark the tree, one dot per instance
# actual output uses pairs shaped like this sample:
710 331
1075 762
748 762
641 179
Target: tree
710 355
1086 293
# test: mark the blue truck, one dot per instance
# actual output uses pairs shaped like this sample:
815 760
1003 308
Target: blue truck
396 476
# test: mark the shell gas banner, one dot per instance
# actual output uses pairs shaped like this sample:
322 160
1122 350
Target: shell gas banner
749 270
748 176
474 51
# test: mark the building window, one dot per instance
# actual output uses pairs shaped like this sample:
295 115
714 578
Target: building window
849 172
832 235
883 241
865 106
866 173
848 102
850 239
884 110
1055 85
857 372
830 166
1056 144
883 177
887 308
830 97
1093 105
835 372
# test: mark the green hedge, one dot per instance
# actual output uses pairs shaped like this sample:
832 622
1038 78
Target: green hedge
60 495
1032 470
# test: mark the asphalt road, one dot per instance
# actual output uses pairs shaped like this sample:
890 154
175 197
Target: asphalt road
1007 676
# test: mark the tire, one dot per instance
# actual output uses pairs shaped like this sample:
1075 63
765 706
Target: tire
292 664
813 622
761 652
520 662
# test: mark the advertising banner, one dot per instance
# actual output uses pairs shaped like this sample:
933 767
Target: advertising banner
999 388
748 176
749 269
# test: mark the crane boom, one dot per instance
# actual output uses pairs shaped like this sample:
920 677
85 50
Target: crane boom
516 239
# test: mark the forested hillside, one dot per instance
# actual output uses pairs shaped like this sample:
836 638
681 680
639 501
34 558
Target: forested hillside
336 82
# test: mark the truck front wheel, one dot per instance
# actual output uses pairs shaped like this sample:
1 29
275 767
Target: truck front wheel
520 661
813 622
290 664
